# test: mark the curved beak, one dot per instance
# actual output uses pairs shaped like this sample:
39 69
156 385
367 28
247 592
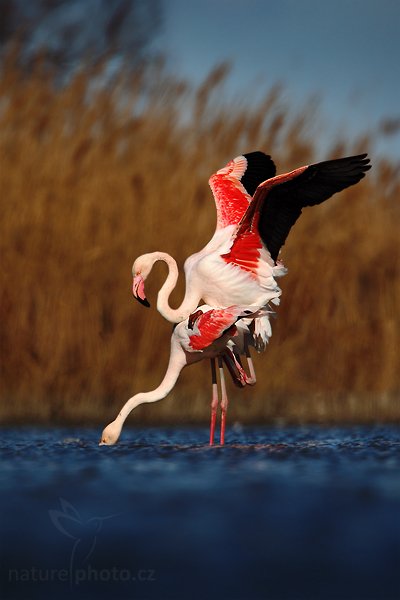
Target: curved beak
138 290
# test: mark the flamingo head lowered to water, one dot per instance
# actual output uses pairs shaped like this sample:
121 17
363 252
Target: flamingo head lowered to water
111 434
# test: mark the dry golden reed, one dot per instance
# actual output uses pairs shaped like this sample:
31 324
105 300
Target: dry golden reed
91 179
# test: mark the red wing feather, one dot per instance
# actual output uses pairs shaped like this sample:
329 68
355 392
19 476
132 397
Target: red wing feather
230 196
234 185
230 199
245 251
211 325
246 248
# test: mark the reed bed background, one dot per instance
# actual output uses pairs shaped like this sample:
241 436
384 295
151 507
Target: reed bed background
92 177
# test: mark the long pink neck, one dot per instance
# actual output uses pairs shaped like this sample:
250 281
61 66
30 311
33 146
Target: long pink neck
177 361
190 301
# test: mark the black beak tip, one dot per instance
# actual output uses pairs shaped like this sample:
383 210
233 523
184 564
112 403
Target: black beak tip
145 302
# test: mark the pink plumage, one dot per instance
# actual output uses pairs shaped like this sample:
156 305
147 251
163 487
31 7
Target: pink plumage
235 272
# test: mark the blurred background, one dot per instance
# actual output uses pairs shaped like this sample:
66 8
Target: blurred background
113 114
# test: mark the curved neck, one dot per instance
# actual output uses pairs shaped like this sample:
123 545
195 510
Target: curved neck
190 301
177 361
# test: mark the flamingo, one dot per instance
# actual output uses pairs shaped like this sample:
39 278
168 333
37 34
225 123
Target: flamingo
255 211
221 334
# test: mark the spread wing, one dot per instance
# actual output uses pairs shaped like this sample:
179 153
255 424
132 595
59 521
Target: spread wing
234 185
277 204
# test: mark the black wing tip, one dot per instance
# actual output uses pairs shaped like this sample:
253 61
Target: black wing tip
359 159
260 158
347 171
363 159
257 154
361 163
260 167
352 167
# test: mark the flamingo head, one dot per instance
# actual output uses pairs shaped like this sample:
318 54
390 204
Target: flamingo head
110 434
140 270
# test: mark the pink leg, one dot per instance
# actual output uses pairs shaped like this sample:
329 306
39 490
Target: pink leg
224 400
214 400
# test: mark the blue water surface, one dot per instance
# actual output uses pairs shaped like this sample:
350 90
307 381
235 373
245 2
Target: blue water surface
278 513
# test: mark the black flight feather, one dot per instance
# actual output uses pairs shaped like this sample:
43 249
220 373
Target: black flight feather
260 167
283 203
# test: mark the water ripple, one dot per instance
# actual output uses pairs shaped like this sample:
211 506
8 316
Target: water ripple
306 512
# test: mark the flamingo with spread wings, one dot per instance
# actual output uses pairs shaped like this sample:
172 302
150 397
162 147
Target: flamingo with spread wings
221 334
255 211
237 268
